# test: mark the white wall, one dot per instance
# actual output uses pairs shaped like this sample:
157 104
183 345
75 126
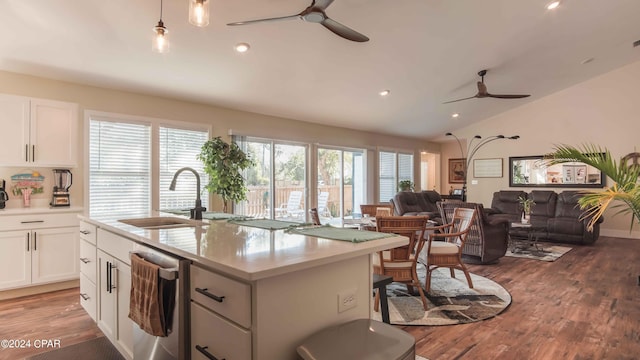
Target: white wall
603 110
222 120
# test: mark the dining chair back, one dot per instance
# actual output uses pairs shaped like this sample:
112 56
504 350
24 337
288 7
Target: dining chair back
315 217
372 209
401 262
448 253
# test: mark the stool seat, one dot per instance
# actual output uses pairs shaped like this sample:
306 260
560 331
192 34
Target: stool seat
361 339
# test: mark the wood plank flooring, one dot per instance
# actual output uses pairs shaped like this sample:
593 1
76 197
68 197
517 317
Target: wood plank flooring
53 316
586 305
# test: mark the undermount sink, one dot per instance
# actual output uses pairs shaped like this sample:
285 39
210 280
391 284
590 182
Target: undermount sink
162 222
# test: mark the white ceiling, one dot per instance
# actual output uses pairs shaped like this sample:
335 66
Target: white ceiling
425 51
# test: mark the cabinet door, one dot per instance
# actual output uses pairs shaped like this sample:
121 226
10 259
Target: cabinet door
14 122
107 295
15 259
53 133
125 325
55 254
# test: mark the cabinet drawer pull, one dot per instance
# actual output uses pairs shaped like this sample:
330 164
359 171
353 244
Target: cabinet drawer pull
204 352
85 260
210 295
84 297
31 222
33 153
85 232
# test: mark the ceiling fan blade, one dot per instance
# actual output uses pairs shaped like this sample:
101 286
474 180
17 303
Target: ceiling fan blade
321 4
507 96
343 31
467 98
290 17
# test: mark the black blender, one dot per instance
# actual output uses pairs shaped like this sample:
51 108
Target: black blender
62 179
3 195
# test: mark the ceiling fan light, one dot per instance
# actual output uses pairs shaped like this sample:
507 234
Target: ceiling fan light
160 42
199 12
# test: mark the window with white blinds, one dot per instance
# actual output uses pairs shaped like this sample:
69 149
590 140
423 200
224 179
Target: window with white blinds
119 168
393 167
180 148
122 161
387 183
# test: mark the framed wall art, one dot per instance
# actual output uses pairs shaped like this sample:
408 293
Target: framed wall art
457 170
487 168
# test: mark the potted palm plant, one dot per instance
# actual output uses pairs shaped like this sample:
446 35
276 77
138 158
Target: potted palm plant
623 195
224 164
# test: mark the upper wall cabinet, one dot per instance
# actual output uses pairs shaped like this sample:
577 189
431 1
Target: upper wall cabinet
38 132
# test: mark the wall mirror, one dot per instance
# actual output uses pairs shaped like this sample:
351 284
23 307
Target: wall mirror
531 171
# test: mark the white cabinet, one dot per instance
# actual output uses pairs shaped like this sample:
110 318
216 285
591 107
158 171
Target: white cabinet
37 254
220 316
40 132
88 269
114 287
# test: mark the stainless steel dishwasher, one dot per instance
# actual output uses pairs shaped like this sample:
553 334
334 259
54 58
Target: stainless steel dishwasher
173 346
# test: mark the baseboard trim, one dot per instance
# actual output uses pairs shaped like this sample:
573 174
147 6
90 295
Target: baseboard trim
39 289
625 234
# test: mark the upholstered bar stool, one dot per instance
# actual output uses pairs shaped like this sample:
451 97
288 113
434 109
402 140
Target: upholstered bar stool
362 339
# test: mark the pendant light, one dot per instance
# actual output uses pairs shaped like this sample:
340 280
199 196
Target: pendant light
160 40
199 12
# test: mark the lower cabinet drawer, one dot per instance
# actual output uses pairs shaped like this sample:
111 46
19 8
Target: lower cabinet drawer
211 334
88 262
88 296
227 297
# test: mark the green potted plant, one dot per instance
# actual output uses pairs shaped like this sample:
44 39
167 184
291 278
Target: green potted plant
526 204
224 163
623 195
405 185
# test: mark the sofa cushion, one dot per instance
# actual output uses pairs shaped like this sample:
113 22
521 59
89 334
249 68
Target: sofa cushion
545 207
408 201
506 202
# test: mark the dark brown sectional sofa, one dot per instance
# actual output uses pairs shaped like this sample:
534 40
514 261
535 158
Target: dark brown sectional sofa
557 213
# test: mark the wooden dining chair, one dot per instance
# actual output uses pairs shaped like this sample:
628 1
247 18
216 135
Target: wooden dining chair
372 209
448 253
315 217
401 262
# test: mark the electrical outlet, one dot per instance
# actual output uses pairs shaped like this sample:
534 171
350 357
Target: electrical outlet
347 299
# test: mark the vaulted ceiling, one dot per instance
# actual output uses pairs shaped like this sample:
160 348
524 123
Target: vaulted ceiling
425 52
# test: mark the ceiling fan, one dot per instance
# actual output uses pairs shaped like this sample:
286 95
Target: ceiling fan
483 93
315 14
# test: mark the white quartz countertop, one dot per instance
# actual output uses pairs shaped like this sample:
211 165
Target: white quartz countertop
245 252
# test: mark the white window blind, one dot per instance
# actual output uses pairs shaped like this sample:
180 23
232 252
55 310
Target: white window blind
393 168
387 176
405 167
119 168
179 148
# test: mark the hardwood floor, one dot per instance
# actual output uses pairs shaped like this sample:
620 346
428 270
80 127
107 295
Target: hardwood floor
51 316
586 305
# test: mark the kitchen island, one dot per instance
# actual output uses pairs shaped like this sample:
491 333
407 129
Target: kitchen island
277 287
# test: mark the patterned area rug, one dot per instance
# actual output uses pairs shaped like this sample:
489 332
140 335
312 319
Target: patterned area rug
543 251
450 301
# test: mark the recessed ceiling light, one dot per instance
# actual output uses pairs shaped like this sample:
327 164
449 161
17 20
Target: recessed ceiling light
455 115
552 5
384 92
242 47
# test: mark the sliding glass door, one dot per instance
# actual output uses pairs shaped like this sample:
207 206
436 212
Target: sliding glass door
277 183
341 183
